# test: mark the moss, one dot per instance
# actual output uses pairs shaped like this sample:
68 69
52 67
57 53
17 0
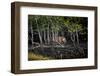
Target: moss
33 56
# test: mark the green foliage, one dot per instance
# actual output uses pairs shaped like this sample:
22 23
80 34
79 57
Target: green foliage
56 23
43 21
72 24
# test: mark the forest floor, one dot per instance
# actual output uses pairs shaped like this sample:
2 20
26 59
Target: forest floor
57 52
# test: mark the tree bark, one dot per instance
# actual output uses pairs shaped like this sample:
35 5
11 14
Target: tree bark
48 38
40 37
52 35
32 39
73 39
77 38
44 36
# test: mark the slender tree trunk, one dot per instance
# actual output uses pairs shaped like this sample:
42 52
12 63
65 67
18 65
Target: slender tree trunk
52 35
73 39
56 36
52 31
44 36
48 38
40 37
77 38
32 39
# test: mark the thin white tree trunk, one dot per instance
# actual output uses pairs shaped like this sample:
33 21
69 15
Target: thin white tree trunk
52 35
40 37
32 39
73 39
77 38
44 36
48 38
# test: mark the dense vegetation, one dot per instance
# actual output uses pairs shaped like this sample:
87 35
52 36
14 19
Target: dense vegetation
57 37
